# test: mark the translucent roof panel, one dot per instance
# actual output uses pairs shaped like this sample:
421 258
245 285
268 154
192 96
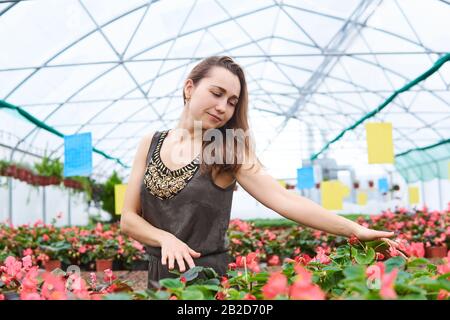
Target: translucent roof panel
116 69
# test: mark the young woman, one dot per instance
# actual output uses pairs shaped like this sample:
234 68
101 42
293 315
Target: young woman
180 208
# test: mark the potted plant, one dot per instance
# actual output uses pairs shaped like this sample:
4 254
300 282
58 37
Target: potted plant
57 253
105 252
3 166
52 170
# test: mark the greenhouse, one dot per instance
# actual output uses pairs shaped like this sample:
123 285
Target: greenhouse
348 109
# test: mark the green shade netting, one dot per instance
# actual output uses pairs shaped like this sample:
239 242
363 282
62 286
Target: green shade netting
425 164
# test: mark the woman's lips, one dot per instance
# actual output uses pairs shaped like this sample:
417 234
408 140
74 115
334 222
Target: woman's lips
215 117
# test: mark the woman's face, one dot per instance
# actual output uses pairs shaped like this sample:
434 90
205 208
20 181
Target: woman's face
214 99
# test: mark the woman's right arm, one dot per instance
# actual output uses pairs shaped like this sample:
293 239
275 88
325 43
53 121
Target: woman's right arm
133 225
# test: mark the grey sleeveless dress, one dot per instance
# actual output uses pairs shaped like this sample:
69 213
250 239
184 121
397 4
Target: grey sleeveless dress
189 205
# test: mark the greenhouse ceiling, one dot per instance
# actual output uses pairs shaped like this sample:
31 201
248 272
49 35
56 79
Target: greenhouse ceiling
314 68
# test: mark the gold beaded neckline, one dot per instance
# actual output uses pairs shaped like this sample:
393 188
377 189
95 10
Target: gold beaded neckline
162 182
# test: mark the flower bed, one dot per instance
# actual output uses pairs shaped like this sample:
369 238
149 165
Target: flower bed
351 271
80 246
270 263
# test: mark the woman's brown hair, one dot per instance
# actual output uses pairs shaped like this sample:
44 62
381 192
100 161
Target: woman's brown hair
239 120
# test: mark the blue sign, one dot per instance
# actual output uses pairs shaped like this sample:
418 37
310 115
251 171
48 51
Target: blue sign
383 185
78 155
305 178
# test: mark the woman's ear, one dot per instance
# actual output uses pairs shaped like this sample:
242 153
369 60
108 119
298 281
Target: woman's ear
188 87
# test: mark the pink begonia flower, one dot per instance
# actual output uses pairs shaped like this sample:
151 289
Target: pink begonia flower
303 288
82 249
276 285
249 296
13 267
109 275
387 280
27 262
30 296
236 241
321 256
27 252
54 287
387 285
137 245
45 237
443 295
274 260
251 261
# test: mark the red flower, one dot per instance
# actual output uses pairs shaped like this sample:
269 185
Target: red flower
220 295
232 266
387 285
27 252
276 285
109 276
303 288
45 237
224 282
274 261
353 240
249 296
321 256
53 287
183 280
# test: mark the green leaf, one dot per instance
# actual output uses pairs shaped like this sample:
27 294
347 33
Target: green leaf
192 294
192 273
171 283
365 258
394 262
356 272
118 296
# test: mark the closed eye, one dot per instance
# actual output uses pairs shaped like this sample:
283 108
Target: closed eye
219 95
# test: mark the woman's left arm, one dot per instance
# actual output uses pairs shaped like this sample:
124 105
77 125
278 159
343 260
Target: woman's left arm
264 188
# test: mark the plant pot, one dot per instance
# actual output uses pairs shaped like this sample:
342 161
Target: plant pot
436 252
11 171
45 181
50 265
103 264
55 180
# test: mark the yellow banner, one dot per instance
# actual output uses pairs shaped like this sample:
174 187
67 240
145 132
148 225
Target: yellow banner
413 195
119 197
362 198
380 147
332 193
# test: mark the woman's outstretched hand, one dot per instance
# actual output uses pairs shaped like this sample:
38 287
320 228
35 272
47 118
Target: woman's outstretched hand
173 249
366 234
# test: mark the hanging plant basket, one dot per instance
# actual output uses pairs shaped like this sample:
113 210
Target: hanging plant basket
11 171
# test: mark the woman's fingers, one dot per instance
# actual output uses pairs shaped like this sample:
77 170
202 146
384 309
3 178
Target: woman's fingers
171 261
385 234
189 260
194 253
392 243
163 258
180 262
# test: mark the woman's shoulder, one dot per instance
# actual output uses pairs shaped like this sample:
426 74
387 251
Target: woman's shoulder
145 143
